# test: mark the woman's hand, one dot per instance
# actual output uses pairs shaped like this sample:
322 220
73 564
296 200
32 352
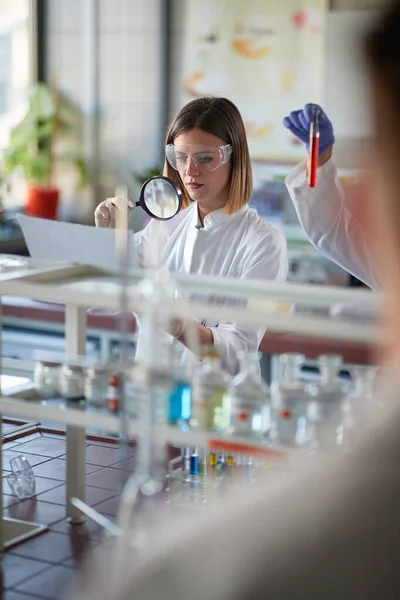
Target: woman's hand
104 215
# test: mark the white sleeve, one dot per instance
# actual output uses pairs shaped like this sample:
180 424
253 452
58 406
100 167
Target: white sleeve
329 224
268 260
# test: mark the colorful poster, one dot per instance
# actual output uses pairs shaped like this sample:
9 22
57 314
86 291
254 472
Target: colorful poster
267 56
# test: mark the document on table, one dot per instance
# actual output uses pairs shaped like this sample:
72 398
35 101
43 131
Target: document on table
69 242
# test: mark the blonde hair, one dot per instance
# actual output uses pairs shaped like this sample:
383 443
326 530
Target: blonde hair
219 117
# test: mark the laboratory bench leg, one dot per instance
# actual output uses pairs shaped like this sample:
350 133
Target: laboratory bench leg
75 334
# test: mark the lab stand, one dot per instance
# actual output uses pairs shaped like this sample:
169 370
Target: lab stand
284 308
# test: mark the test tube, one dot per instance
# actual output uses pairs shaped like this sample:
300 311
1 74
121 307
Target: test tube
314 149
194 463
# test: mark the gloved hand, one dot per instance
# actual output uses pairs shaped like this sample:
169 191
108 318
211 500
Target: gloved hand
299 123
104 215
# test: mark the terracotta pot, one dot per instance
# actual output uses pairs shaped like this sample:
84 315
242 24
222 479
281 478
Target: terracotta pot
42 202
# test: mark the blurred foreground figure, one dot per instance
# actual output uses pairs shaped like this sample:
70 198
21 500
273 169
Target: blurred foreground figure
332 532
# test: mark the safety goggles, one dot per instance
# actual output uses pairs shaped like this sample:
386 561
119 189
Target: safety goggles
206 158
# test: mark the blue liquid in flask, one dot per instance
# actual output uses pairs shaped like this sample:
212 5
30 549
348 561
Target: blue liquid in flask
180 403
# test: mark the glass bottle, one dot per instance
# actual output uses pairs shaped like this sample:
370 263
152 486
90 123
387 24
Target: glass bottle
153 372
114 393
359 407
289 401
210 384
326 412
46 378
247 401
95 386
180 398
71 382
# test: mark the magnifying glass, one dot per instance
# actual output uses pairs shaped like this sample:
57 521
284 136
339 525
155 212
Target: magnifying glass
160 198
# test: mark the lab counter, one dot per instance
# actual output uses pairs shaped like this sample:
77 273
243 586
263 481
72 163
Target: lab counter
29 326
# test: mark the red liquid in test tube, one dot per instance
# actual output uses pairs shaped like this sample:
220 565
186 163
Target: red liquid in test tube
314 150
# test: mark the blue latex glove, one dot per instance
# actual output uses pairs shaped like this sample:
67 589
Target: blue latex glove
299 122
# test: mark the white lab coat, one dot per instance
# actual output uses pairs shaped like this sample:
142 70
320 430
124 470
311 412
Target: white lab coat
329 223
239 245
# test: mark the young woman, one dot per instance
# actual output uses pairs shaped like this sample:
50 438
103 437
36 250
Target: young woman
216 233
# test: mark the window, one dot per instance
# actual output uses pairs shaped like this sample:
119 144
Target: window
16 62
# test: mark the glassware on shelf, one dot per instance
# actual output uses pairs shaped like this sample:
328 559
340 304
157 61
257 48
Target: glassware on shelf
360 405
46 378
71 382
95 386
114 393
209 386
247 402
180 399
289 402
154 373
326 412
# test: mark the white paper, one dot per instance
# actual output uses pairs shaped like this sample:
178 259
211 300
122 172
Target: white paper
72 243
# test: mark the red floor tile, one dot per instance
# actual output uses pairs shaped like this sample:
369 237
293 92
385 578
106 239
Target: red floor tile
88 529
31 436
42 485
109 479
33 459
36 511
129 464
109 507
56 469
94 495
11 595
9 500
104 456
53 584
44 446
52 547
17 568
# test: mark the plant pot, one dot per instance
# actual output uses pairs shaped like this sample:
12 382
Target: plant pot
42 202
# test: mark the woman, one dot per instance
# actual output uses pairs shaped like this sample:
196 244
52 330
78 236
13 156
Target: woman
333 532
217 233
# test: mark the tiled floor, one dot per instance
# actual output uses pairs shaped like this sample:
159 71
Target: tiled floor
45 566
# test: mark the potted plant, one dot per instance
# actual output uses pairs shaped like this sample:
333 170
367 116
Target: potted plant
34 147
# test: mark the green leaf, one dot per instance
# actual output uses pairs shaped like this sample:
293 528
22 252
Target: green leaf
30 140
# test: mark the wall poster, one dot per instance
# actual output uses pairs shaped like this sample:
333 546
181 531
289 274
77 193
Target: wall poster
267 56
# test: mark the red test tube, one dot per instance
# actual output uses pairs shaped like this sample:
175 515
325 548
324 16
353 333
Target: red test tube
314 150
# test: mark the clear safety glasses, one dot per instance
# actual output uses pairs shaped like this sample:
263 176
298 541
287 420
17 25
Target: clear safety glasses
206 158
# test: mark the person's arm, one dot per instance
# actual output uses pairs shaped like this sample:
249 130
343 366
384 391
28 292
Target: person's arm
329 223
267 261
323 211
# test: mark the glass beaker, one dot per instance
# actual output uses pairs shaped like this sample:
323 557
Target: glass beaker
289 400
210 384
247 401
95 386
71 382
46 378
326 411
22 478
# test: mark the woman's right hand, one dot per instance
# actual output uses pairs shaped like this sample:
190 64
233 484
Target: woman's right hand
104 215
